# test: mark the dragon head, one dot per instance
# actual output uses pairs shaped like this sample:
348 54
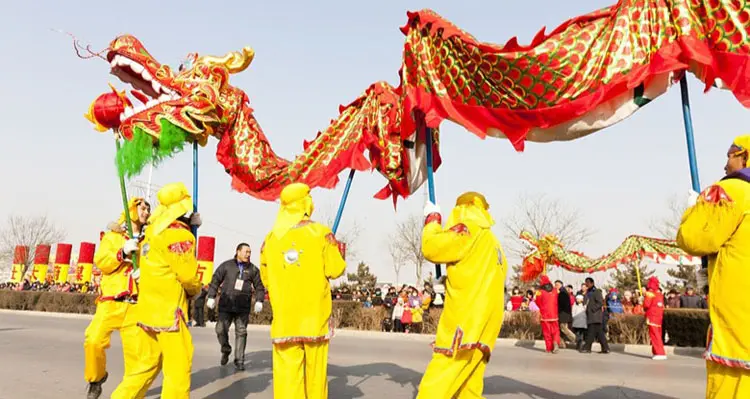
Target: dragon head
534 263
189 104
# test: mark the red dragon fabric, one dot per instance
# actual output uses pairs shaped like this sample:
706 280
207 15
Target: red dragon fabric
587 74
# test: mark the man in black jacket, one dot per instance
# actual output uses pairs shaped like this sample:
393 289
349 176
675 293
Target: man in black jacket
564 313
238 278
594 315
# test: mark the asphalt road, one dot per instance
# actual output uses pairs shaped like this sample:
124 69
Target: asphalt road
42 357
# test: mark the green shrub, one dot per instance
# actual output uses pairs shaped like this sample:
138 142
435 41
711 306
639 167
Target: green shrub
627 328
686 327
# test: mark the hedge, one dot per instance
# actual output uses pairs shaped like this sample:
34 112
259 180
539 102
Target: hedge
685 327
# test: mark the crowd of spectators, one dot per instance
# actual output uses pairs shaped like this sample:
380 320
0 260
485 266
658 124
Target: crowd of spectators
48 286
405 306
572 306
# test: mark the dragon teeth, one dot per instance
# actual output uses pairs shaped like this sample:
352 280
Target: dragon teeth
164 97
128 112
137 68
156 86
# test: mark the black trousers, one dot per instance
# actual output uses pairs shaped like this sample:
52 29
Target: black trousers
198 312
240 321
595 332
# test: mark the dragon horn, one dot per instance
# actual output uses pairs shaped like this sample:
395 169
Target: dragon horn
234 61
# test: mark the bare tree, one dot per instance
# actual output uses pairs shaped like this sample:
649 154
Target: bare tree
397 256
349 235
667 225
406 243
541 215
30 231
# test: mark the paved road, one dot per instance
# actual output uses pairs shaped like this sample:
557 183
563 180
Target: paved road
42 357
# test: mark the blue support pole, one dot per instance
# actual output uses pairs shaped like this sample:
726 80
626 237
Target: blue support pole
692 159
430 170
342 203
690 139
195 187
430 179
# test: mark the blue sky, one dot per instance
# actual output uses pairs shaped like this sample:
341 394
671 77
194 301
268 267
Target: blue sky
311 57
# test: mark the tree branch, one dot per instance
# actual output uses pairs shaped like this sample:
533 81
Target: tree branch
541 215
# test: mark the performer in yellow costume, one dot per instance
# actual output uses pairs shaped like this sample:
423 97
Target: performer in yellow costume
118 292
473 309
297 259
718 226
168 276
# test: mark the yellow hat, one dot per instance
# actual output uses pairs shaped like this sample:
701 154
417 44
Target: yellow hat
742 144
296 205
174 201
132 209
473 198
471 208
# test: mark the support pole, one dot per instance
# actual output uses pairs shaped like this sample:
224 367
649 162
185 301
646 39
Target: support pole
430 177
148 184
342 203
638 275
194 229
690 139
124 194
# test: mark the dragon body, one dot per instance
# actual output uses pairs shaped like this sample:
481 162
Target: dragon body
589 73
548 250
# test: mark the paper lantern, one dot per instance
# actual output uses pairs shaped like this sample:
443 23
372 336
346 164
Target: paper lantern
62 263
205 256
41 263
105 111
19 262
85 266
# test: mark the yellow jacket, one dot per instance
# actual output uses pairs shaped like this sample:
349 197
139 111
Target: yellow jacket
116 282
295 270
476 266
168 271
718 226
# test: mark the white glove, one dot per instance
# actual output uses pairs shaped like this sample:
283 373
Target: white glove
258 307
130 246
211 302
195 219
692 198
430 208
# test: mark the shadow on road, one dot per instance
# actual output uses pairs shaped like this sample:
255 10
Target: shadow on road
339 386
497 385
11 329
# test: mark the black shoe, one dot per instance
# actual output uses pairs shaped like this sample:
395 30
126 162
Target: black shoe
224 359
239 366
604 352
95 388
585 351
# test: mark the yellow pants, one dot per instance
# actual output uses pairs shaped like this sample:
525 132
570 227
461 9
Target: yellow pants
109 316
726 382
460 376
168 351
300 370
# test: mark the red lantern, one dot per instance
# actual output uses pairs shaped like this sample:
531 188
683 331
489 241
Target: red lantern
105 111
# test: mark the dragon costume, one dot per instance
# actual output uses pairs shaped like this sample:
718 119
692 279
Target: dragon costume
548 250
589 73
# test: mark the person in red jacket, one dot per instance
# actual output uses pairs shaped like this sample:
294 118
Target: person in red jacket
547 301
654 307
